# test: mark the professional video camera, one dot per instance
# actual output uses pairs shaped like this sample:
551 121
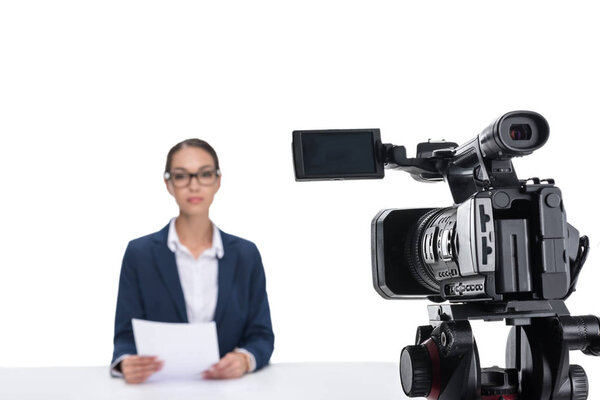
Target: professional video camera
503 251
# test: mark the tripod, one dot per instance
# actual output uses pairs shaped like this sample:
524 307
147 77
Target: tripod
444 363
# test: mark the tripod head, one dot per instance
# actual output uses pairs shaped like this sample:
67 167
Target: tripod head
444 362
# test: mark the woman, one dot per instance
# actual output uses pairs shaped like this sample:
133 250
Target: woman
190 271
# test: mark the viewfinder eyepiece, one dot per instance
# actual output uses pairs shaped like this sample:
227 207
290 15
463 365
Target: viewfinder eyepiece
514 134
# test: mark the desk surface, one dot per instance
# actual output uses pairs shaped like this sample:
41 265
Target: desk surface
286 381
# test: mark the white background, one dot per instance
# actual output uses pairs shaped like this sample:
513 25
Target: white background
93 95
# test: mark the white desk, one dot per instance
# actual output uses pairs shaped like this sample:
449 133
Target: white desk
306 381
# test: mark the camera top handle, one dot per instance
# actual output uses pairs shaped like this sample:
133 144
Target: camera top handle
482 163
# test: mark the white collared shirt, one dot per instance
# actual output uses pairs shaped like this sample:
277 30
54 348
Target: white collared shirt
199 279
198 276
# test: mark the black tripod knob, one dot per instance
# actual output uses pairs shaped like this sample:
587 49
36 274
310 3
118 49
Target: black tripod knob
579 382
415 371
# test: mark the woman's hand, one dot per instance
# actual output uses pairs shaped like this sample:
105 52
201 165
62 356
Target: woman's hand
233 365
136 369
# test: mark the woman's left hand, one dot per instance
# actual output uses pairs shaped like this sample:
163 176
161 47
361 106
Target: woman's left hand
232 365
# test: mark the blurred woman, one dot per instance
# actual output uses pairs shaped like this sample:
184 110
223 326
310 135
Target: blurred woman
191 271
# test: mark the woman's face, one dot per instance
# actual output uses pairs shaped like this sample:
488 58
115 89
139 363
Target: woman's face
193 198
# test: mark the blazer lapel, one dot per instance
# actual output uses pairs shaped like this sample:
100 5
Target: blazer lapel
167 268
227 267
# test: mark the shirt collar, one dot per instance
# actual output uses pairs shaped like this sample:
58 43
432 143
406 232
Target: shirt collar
174 244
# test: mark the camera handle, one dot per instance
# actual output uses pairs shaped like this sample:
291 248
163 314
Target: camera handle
444 363
466 168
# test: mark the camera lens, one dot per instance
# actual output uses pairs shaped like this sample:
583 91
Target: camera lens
520 132
430 249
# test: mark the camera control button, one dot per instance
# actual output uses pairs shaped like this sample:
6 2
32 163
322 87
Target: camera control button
553 200
501 199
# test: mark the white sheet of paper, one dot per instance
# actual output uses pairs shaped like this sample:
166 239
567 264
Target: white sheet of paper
186 349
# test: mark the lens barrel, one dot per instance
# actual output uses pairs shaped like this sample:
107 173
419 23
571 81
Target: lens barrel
430 251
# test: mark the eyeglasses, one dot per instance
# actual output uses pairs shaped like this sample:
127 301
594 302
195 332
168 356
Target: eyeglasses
205 177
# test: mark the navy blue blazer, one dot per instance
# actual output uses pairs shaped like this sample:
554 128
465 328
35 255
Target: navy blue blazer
150 289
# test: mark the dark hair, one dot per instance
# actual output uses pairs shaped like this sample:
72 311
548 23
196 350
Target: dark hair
191 143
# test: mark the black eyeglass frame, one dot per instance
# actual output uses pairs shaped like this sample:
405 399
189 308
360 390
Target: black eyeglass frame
169 177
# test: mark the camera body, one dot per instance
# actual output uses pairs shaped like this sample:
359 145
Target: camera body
498 245
504 239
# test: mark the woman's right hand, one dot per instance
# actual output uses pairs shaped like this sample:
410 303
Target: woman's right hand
136 369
